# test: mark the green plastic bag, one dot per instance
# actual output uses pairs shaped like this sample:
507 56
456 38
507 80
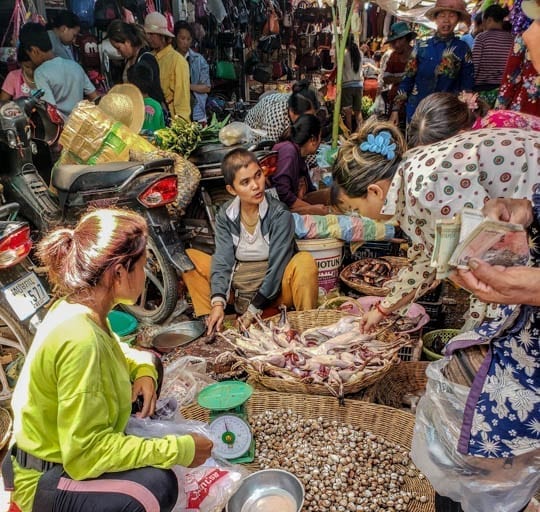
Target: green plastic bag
225 70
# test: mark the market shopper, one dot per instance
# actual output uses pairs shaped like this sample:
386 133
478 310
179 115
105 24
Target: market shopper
173 67
74 396
64 28
19 82
442 63
274 113
352 85
130 40
63 81
467 437
199 70
254 256
374 176
441 115
291 178
490 53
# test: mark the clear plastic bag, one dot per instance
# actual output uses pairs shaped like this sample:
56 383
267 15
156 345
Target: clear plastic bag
179 426
209 487
184 378
238 133
479 484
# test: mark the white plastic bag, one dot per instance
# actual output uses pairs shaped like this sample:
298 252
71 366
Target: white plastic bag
480 484
179 426
238 133
184 378
209 487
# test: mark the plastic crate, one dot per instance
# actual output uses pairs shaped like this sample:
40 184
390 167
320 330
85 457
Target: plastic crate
376 250
436 314
412 353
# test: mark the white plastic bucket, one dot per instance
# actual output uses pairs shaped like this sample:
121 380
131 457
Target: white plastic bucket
328 254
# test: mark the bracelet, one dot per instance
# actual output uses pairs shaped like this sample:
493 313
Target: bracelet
380 309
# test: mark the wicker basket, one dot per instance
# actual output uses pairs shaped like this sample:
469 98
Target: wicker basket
367 289
5 427
395 426
403 379
427 340
302 320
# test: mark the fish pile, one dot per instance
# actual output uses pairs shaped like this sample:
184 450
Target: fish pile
371 271
332 356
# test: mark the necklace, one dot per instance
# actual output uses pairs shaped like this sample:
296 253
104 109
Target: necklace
30 82
247 223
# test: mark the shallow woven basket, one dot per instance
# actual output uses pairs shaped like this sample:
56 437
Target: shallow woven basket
5 427
404 378
367 289
393 425
302 320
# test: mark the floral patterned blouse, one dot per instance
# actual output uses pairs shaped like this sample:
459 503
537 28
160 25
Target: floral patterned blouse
437 181
507 119
520 89
435 65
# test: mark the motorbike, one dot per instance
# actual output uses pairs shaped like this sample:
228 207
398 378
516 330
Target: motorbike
144 187
198 224
22 294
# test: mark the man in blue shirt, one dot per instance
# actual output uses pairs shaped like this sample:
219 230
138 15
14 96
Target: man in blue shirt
63 81
199 71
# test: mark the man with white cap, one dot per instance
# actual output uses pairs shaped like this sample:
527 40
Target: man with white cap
173 68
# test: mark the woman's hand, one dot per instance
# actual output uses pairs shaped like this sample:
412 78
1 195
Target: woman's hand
370 320
203 449
394 117
517 211
214 321
145 387
500 285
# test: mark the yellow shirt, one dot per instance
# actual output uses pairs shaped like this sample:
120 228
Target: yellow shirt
174 77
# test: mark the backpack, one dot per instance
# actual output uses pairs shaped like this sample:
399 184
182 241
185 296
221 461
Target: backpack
106 11
88 51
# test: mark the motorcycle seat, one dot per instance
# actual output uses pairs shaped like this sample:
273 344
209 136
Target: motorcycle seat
72 178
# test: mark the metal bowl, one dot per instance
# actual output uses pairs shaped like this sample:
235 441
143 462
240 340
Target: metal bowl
178 335
268 489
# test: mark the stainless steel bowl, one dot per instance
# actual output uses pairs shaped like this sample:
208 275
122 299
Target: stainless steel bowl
267 485
177 335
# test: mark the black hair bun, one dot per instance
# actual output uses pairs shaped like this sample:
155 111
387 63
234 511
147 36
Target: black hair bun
301 85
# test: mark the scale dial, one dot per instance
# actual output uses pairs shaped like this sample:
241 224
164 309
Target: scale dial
232 436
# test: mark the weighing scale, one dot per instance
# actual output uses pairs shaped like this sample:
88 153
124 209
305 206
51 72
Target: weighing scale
228 419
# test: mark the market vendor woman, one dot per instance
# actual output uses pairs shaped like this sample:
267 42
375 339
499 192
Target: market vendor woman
254 255
373 176
74 397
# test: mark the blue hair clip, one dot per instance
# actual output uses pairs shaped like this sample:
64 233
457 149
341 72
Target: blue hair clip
381 144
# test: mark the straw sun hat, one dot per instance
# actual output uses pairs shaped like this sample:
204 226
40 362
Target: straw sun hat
124 103
531 8
156 23
457 6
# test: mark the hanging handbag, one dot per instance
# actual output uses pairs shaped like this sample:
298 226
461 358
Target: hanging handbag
260 15
268 44
277 70
225 70
272 23
310 61
262 73
225 39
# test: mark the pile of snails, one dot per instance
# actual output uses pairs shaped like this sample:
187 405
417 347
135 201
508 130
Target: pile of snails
342 468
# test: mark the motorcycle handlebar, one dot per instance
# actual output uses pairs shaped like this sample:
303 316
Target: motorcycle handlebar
32 100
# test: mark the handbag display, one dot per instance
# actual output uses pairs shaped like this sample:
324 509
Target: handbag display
262 73
225 70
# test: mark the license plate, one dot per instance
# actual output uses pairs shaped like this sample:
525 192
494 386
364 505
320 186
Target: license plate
26 295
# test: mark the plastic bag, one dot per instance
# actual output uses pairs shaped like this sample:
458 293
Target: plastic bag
179 426
184 378
379 106
479 484
209 487
237 133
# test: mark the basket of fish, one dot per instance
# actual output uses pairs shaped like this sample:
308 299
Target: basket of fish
372 276
320 352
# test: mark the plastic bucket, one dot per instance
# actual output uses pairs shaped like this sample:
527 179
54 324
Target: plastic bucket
328 254
123 325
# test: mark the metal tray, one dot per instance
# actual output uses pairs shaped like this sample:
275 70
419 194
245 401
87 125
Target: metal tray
178 335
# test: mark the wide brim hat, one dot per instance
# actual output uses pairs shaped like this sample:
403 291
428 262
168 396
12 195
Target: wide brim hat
124 103
399 30
531 8
156 23
457 6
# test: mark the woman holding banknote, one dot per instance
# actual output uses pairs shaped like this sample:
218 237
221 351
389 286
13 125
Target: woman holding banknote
375 176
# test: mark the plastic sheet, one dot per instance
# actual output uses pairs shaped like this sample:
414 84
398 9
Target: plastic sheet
479 484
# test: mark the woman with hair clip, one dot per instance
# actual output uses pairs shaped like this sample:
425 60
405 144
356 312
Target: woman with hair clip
375 177
291 178
490 53
63 29
442 115
74 396
353 83
274 113
131 42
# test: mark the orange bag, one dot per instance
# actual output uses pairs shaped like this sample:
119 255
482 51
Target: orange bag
272 23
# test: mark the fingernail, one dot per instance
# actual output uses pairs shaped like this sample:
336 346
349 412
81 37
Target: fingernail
474 263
